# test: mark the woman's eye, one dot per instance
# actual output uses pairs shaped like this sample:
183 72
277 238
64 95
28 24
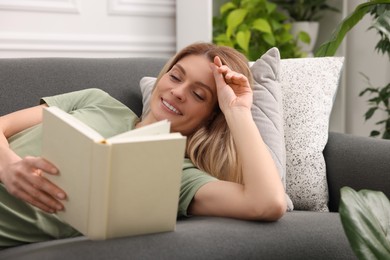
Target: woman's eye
174 78
198 96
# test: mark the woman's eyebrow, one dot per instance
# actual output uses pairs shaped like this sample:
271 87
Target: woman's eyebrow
197 82
180 68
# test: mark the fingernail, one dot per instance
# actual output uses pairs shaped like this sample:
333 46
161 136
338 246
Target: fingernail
59 207
61 196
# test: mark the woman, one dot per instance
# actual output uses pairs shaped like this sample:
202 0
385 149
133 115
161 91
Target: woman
205 91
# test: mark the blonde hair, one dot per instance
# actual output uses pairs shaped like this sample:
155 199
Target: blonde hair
211 147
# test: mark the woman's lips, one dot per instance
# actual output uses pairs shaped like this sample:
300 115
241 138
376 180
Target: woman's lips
170 107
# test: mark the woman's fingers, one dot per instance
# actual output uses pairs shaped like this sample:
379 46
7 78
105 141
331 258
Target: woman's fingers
40 200
29 184
230 76
217 61
42 164
218 76
233 88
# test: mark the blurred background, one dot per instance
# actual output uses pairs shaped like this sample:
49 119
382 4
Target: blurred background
157 28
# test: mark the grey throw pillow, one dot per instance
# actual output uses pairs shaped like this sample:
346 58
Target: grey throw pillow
267 106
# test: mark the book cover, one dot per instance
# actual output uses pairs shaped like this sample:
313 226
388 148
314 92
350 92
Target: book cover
125 185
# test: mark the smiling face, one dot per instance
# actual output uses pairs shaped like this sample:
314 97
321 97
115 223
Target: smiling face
186 95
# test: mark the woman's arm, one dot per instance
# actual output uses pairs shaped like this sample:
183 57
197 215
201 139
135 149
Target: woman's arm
262 197
22 177
14 123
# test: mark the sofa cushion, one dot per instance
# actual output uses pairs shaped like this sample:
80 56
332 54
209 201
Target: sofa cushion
309 86
24 81
267 106
298 235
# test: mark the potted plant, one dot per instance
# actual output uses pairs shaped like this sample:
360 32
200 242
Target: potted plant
380 11
365 218
304 15
253 27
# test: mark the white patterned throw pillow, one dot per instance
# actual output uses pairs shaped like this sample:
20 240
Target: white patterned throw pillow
309 86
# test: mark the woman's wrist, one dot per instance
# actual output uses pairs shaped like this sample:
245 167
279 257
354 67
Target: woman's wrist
7 157
237 114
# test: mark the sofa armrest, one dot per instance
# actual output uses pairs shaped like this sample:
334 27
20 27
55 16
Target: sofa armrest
357 162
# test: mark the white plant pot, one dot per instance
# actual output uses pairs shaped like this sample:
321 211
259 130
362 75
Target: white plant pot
310 28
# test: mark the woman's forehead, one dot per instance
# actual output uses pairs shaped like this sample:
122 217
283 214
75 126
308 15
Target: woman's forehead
197 67
195 64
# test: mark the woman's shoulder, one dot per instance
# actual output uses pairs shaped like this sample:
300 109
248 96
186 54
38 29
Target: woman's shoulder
94 91
190 171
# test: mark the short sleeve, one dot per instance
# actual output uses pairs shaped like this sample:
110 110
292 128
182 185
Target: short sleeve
79 99
97 109
192 180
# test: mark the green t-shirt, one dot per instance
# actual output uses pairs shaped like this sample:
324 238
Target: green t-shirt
21 223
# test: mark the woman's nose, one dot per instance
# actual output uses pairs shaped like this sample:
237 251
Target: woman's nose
179 93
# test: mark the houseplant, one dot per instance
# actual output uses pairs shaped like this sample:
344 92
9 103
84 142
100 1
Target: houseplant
304 16
380 12
365 216
253 27
305 10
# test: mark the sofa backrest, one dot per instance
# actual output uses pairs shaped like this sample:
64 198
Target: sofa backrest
24 81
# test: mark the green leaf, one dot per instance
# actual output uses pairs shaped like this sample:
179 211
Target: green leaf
370 112
365 216
374 133
375 100
329 48
386 135
285 38
304 37
262 25
271 7
371 90
381 122
382 24
226 7
234 19
243 38
269 38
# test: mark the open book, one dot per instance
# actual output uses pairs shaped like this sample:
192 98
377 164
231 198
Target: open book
125 185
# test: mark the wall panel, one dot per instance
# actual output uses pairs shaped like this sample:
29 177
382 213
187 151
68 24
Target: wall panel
66 6
87 28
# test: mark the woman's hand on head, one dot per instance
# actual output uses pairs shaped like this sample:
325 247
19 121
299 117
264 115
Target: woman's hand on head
233 88
25 180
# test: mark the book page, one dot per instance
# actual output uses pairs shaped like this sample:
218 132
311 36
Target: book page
161 127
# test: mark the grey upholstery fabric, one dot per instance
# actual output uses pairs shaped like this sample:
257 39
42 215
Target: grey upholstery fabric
357 162
24 81
353 161
298 235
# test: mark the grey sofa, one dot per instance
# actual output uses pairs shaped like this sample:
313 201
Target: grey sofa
351 161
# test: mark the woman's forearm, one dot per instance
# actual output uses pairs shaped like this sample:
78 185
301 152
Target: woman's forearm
11 124
260 175
7 156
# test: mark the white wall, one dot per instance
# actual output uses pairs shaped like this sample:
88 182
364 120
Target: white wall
87 28
328 23
193 22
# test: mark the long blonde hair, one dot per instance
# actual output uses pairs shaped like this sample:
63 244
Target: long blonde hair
211 147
